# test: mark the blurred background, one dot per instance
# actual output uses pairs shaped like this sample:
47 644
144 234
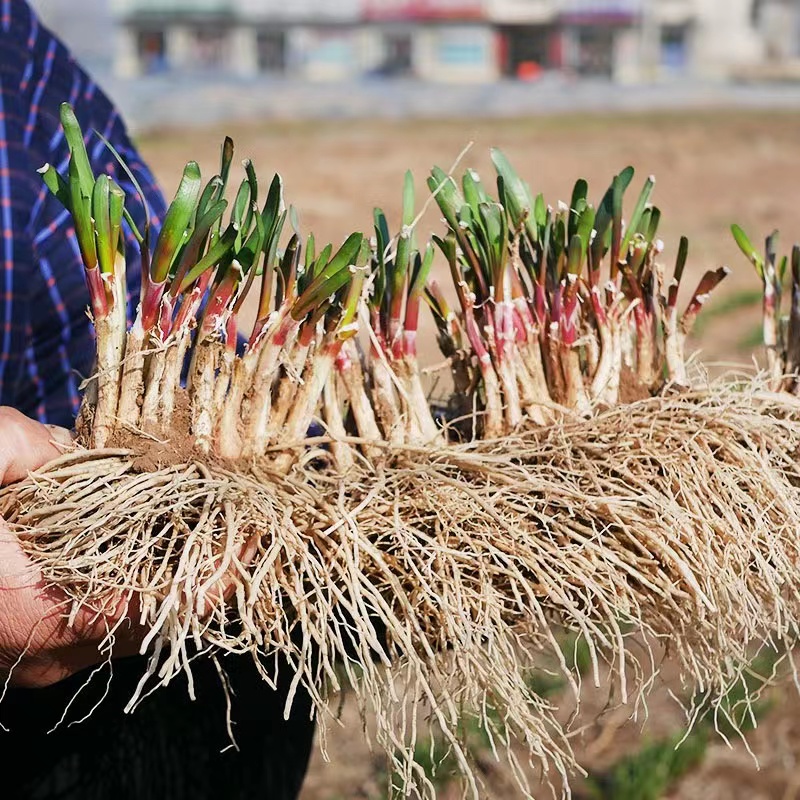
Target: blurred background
175 61
342 96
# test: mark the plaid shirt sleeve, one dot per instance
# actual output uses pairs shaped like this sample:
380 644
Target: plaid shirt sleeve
46 340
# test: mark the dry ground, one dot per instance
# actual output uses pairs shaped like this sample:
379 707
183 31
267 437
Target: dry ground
712 170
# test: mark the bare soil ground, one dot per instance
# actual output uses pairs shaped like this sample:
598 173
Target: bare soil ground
712 169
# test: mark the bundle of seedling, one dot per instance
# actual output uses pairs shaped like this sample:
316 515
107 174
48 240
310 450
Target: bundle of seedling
289 491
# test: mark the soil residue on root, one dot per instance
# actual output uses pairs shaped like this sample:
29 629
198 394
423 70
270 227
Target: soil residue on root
631 389
154 450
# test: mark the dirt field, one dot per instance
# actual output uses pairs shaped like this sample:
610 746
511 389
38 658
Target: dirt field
711 170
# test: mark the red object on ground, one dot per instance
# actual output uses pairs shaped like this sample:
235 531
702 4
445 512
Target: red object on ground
529 71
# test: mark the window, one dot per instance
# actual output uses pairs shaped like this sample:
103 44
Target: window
397 54
151 50
271 51
209 47
674 47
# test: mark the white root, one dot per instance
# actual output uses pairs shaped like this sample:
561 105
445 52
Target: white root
386 402
269 360
332 412
132 392
601 382
674 350
511 402
577 396
173 369
353 379
418 408
287 389
233 410
156 369
301 415
493 411
108 377
611 394
202 396
534 393
496 546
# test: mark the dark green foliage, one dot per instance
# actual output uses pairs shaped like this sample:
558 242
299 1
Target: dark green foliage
652 771
648 774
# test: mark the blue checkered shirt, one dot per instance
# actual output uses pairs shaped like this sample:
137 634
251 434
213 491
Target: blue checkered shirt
46 344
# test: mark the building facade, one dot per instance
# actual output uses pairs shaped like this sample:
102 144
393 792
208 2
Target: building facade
630 40
455 40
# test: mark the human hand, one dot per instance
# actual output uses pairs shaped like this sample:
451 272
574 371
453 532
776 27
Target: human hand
37 645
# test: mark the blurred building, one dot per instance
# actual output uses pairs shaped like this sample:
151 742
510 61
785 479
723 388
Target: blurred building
318 39
88 27
455 40
630 40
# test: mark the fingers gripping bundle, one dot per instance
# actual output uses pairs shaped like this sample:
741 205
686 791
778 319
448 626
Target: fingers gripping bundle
430 563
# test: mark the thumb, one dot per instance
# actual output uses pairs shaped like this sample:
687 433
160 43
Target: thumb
26 445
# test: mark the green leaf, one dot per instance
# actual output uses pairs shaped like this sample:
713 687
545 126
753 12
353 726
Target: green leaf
398 269
575 255
540 211
519 198
319 263
311 252
247 257
347 329
318 293
447 195
641 204
496 230
254 243
241 207
272 207
577 205
619 186
382 235
77 149
421 272
101 212
327 281
57 185
142 238
287 271
746 246
408 199
216 253
226 159
210 195
176 222
520 204
116 209
652 228
198 239
82 217
449 248
637 254
680 262
474 193
795 261
605 211
294 220
271 243
585 227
